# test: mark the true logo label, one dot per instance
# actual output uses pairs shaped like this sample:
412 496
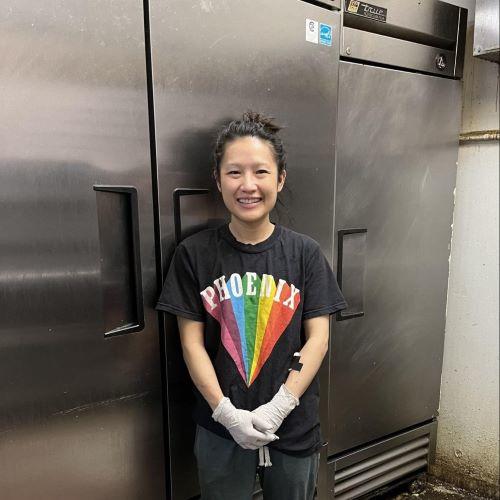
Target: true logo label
367 10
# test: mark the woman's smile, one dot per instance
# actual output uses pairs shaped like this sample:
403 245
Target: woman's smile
249 202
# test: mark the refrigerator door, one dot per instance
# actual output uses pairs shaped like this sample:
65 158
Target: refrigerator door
397 151
80 404
212 61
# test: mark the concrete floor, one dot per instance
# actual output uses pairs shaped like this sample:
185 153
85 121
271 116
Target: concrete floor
428 488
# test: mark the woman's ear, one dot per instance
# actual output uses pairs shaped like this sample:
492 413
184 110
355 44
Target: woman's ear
217 181
281 180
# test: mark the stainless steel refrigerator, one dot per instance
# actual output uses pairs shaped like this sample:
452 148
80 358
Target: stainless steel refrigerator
80 366
399 105
210 62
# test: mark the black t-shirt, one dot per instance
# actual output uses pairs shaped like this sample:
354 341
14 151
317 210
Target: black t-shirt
253 300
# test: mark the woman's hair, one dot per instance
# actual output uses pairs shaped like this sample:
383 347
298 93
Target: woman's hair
254 125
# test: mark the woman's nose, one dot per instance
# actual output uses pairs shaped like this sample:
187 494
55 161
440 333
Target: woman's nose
248 183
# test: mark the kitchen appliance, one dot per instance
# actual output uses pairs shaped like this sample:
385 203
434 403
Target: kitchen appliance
80 365
210 62
397 147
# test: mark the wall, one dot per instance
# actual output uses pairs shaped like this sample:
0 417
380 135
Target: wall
467 445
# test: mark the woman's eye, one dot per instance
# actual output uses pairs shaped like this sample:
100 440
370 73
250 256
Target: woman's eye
233 172
262 171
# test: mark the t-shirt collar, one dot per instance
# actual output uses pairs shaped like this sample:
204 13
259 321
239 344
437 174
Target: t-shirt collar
249 247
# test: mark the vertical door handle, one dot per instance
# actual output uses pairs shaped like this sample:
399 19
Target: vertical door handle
342 315
118 217
177 193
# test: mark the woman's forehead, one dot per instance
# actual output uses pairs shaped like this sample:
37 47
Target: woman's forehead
245 148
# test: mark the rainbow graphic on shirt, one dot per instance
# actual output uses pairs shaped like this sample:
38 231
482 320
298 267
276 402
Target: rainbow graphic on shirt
253 313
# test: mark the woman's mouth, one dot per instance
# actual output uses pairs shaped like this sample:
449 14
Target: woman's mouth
249 201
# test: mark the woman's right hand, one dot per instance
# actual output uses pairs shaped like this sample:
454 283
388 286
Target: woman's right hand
249 430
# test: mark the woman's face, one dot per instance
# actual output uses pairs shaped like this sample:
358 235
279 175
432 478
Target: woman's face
248 179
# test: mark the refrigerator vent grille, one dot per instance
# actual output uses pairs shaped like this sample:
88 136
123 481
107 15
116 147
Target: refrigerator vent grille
376 471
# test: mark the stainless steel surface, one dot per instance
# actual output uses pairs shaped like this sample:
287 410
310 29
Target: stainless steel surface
431 22
383 479
418 446
460 43
211 62
396 167
330 4
364 470
351 459
80 414
424 36
486 30
415 457
381 49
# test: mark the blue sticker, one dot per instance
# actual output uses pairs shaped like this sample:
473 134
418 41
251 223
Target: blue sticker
325 34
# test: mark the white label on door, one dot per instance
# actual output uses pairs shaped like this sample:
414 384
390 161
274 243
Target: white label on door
312 31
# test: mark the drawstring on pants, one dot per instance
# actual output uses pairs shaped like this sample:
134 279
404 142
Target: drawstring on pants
264 457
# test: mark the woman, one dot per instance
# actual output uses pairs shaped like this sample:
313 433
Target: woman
253 300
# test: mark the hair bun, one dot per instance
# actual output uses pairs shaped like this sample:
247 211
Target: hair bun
266 122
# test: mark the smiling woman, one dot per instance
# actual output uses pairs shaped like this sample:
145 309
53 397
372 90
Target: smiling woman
250 171
252 300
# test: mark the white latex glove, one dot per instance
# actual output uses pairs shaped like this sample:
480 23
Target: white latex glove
274 412
248 429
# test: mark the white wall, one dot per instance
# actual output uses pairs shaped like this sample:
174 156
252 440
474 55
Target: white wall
468 433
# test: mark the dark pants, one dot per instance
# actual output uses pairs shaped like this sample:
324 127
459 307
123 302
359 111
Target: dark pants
227 472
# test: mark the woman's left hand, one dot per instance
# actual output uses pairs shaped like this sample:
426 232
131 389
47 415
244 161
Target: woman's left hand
274 412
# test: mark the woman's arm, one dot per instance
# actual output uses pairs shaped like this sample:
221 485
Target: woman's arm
198 362
311 355
246 428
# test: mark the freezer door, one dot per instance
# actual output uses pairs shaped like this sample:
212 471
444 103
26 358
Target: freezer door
211 62
397 151
80 398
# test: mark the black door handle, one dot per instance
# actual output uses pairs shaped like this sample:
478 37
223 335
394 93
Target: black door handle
341 315
120 242
177 193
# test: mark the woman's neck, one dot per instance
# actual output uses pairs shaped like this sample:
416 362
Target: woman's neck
251 233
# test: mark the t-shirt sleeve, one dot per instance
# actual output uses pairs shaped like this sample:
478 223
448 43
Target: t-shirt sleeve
322 294
180 295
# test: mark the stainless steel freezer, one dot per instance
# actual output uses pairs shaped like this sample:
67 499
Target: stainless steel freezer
210 62
396 272
80 397
397 147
